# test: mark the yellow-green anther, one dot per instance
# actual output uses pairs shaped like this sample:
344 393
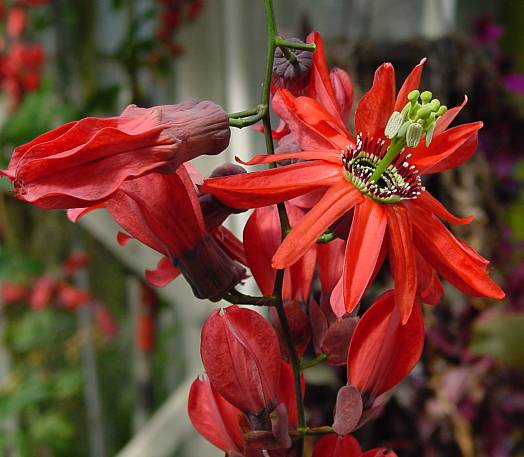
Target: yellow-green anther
442 110
429 134
426 96
413 135
394 124
403 129
435 104
413 95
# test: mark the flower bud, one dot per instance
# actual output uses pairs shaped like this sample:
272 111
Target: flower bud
82 163
291 73
241 355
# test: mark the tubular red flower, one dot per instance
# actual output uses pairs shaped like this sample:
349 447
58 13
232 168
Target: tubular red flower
82 163
241 355
163 212
382 350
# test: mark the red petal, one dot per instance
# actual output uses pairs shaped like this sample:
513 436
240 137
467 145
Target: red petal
402 259
337 446
447 118
213 417
241 355
262 237
330 263
382 350
412 82
362 250
449 257
343 88
316 118
336 201
267 187
328 155
335 343
74 214
308 139
447 150
429 287
287 394
319 86
231 245
432 205
164 273
378 103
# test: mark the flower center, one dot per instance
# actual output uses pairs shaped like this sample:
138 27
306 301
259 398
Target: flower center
399 181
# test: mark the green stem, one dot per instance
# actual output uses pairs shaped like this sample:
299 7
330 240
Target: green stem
314 362
313 431
238 298
284 222
326 237
249 112
283 43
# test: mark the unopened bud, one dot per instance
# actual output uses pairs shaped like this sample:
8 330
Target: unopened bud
292 73
394 124
413 135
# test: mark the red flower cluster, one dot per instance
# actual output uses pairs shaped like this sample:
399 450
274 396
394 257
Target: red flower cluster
54 289
20 62
351 200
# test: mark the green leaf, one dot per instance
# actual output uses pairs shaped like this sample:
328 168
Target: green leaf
500 337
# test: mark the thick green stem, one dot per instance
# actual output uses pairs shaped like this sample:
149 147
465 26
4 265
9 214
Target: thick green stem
314 362
313 431
282 43
238 298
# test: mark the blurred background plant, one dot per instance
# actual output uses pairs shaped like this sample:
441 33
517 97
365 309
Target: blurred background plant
70 385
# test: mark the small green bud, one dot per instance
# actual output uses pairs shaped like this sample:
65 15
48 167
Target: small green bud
413 135
413 95
442 110
426 96
394 123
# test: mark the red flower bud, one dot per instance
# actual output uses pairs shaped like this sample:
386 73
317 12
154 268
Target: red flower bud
382 350
82 163
241 355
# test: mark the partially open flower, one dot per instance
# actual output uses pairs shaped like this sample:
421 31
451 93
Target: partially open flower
82 163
